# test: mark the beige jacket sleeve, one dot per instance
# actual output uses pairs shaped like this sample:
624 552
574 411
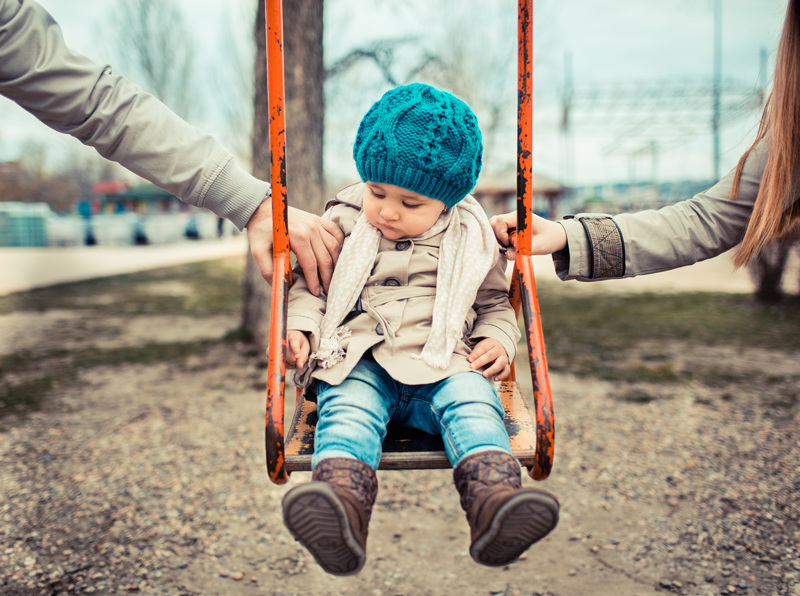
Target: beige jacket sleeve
603 247
496 318
306 311
73 95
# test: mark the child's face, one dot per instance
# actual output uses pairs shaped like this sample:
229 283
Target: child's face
398 212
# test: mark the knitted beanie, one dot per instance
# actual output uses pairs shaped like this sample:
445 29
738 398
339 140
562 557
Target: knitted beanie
421 139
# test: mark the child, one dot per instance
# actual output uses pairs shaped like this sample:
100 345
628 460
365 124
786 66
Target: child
417 307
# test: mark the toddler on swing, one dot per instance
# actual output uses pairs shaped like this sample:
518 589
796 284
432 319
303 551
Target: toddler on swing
415 327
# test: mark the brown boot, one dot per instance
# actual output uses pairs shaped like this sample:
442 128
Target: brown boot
504 518
330 515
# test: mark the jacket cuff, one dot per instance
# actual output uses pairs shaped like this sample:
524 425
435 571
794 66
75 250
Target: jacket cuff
234 194
607 257
571 263
595 249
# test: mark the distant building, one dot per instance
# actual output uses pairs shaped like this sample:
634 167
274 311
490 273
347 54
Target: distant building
500 196
623 197
117 196
11 173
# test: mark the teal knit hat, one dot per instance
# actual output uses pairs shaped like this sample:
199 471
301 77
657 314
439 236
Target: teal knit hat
422 139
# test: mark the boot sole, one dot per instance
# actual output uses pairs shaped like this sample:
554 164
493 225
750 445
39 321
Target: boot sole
523 520
317 519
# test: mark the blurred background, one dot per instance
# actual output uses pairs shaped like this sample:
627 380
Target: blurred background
636 105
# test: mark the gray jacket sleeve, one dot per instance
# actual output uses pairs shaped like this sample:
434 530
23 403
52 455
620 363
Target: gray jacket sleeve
73 95
603 247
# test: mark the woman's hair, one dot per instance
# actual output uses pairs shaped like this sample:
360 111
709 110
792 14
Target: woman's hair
781 121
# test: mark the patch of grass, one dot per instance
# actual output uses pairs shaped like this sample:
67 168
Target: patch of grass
23 388
636 397
610 370
593 334
662 373
29 395
715 376
786 399
238 334
144 354
212 287
195 289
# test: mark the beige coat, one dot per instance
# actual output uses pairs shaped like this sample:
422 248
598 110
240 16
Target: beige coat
602 247
397 307
73 95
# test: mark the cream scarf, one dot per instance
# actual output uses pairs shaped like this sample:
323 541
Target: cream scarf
467 253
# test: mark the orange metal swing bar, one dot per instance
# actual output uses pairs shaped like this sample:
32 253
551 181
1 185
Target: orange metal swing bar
282 272
522 293
523 282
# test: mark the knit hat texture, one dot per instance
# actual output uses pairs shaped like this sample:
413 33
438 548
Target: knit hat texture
421 139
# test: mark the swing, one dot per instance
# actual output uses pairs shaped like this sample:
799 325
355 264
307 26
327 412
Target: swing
532 433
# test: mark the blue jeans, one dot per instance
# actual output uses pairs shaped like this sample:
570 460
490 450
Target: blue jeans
464 409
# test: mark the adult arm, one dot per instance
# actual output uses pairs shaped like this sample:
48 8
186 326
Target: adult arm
75 96
630 244
591 246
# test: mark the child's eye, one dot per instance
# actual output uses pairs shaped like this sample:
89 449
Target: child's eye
376 194
411 205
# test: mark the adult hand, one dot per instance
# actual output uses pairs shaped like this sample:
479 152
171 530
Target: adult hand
548 236
315 241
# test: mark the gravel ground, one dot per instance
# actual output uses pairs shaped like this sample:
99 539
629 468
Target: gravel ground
150 479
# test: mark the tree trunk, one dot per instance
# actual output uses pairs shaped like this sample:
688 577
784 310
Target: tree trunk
305 111
766 270
302 34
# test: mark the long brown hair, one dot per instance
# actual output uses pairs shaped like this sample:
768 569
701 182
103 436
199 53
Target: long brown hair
781 121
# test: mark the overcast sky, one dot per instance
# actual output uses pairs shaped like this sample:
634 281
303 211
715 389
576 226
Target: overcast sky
617 40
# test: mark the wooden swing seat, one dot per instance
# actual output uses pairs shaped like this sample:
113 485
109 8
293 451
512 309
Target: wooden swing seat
408 448
531 427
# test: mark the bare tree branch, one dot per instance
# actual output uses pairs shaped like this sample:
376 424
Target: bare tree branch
156 50
384 54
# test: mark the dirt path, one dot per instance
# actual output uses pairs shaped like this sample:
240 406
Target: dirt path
153 480
150 479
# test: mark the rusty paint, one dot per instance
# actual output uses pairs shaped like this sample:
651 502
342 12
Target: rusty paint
282 273
515 299
277 125
523 269
276 371
542 396
524 123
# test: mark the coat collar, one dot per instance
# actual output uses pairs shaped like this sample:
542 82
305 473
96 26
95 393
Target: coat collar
352 196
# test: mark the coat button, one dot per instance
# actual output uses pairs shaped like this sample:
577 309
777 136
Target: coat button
392 281
402 245
379 329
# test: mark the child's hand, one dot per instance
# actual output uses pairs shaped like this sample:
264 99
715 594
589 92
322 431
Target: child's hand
547 236
297 348
491 354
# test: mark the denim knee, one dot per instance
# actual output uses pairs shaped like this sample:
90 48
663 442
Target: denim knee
471 416
353 415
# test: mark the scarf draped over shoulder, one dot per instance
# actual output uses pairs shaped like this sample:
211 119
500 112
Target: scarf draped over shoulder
467 253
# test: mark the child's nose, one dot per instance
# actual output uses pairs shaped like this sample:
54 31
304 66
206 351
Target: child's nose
389 212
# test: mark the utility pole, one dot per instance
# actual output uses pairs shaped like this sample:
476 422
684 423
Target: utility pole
717 84
567 174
